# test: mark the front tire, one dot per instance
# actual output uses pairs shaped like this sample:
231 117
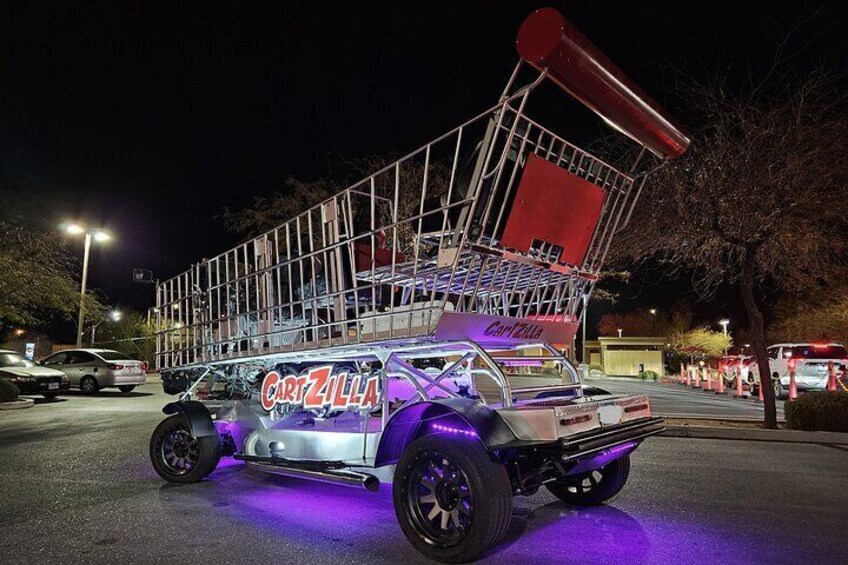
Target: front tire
595 487
452 501
177 456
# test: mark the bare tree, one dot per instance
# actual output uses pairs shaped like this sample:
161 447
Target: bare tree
759 199
267 212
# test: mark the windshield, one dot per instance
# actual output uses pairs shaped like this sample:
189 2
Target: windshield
113 356
15 360
819 352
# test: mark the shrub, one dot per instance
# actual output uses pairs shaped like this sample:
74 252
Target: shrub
8 391
818 411
645 375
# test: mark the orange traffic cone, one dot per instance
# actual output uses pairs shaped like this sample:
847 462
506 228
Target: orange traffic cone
739 392
793 386
831 377
720 389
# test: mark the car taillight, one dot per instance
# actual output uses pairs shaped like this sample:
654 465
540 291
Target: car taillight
114 367
144 367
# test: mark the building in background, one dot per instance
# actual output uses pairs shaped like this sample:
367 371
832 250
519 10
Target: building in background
627 356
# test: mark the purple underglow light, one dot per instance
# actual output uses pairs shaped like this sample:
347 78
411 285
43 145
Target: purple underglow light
522 363
452 430
612 454
603 458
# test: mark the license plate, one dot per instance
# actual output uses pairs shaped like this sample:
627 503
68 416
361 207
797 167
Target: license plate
610 414
52 386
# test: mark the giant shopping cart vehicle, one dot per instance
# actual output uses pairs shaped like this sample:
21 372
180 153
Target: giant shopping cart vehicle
409 328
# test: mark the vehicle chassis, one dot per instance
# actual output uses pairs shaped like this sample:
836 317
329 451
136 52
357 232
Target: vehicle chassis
363 342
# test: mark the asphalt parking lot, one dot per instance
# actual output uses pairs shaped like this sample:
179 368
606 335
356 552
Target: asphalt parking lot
78 488
678 401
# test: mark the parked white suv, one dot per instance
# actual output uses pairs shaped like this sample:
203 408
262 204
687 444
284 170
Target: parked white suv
811 365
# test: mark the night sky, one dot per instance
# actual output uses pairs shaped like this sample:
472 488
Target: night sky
148 119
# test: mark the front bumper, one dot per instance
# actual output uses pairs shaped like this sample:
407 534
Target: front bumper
41 385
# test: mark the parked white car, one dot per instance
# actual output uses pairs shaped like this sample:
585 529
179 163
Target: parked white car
811 361
93 369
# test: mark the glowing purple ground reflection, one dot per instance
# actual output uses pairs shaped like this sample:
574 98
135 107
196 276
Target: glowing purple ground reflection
297 511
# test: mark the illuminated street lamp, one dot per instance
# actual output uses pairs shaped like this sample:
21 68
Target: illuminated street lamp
114 315
653 311
99 236
724 324
619 332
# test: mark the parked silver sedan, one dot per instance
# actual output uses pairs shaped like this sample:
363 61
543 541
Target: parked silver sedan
93 369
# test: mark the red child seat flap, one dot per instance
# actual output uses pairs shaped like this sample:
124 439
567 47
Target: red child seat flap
554 206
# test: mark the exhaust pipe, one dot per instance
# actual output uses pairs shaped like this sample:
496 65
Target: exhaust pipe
344 478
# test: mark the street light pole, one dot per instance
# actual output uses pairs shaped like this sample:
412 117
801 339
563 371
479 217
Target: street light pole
82 288
100 236
724 324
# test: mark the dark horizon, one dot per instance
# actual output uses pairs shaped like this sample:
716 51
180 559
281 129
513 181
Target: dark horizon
149 122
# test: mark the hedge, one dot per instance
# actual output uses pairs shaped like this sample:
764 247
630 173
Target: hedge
818 411
646 375
8 391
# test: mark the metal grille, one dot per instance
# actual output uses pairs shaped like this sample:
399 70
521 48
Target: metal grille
384 258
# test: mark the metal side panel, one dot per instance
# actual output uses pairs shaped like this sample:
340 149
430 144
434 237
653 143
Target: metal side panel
314 445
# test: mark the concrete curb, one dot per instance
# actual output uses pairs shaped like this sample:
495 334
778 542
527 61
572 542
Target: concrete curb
17 404
780 436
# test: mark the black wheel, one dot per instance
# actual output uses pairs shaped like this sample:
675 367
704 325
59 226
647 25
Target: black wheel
452 501
49 395
177 456
596 487
126 388
88 385
779 394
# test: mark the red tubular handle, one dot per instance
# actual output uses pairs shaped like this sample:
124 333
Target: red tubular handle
547 40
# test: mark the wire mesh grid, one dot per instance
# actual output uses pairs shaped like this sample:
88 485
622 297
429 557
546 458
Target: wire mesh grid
386 257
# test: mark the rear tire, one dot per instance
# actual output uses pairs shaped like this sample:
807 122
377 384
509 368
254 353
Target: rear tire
49 395
452 501
126 389
177 456
88 385
596 487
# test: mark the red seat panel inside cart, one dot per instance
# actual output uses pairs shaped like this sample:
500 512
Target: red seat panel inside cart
382 256
554 206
